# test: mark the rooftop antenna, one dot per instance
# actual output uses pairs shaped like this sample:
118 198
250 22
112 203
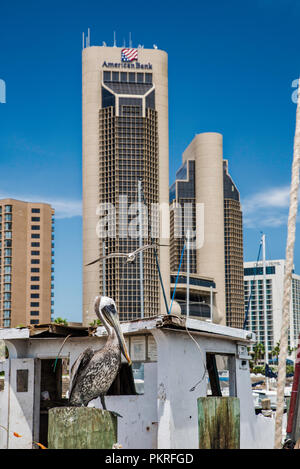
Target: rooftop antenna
124 43
82 40
154 46
130 41
88 38
115 42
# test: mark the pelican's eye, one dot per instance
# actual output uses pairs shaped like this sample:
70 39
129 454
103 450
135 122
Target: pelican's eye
109 311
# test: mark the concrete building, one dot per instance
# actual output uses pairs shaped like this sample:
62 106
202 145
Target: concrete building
26 256
233 244
254 302
203 180
125 139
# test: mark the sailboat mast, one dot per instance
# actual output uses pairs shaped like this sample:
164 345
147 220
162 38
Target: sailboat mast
265 305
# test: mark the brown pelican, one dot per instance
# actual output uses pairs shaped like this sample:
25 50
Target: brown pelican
94 371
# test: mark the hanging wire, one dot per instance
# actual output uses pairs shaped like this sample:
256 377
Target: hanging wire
252 287
173 296
156 258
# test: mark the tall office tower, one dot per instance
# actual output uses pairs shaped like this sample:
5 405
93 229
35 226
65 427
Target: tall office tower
202 289
206 149
234 262
202 180
254 301
26 255
125 139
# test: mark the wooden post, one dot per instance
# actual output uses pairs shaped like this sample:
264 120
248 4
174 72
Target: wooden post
81 428
219 422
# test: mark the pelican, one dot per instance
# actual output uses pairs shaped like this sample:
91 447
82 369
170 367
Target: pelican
130 257
94 371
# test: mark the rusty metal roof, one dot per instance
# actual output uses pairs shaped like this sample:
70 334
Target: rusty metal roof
60 330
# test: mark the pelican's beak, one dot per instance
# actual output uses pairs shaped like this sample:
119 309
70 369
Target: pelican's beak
117 327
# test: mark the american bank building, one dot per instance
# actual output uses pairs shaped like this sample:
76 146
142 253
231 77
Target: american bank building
124 141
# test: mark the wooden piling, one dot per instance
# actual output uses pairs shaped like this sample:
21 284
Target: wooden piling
81 428
219 422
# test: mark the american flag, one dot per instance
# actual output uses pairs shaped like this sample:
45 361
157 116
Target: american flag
128 55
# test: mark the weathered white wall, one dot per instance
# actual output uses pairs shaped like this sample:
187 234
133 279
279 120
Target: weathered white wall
138 426
20 406
4 396
177 405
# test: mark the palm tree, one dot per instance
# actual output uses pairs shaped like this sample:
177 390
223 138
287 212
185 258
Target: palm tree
276 350
259 352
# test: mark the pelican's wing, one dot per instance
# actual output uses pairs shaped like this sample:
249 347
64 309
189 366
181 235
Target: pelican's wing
80 363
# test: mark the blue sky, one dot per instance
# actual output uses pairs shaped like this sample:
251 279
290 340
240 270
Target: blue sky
231 69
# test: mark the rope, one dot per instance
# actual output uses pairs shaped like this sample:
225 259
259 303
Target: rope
287 282
56 359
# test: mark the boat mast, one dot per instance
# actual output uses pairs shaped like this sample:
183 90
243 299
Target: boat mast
265 306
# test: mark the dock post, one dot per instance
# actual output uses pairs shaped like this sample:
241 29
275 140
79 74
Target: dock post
219 422
81 428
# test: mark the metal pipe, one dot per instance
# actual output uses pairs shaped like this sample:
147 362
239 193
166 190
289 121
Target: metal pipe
103 268
188 275
141 245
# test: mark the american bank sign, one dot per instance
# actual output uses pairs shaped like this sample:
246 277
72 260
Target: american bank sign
129 59
131 65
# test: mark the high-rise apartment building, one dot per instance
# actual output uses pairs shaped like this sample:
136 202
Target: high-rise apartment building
203 180
125 139
233 244
254 302
26 263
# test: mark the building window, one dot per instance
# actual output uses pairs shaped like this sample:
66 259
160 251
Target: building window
35 287
35 227
35 235
35 219
34 295
35 269
35 245
35 253
106 76
35 261
131 77
34 313
34 321
35 210
148 78
34 304
34 279
8 208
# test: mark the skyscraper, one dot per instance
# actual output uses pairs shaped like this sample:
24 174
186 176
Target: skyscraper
26 260
254 302
203 179
125 139
233 244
